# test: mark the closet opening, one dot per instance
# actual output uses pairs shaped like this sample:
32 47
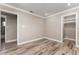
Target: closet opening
3 18
69 29
8 30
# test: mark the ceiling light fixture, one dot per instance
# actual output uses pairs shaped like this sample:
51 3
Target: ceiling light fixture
69 4
31 11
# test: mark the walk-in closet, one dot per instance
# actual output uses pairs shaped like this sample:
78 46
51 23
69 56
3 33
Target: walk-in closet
69 27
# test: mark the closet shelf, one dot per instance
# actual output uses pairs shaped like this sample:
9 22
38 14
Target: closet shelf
71 19
69 22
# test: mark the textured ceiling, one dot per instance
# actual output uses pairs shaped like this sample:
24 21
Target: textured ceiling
44 8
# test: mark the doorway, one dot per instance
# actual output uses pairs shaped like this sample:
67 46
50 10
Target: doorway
69 29
3 18
8 30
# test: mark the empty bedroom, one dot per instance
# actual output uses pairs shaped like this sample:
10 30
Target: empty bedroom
39 28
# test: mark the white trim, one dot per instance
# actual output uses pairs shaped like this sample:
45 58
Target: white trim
21 10
10 41
62 26
68 14
17 22
40 39
15 13
4 4
77 45
17 29
63 11
62 23
5 28
73 13
70 39
69 22
76 30
53 39
30 41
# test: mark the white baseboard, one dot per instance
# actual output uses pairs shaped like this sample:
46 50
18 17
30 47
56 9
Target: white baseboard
53 39
10 41
77 46
39 39
30 41
44 38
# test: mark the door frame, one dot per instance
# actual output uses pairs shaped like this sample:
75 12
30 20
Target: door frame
15 13
62 25
5 26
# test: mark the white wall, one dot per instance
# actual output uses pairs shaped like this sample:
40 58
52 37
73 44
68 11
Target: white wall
11 30
29 27
11 27
54 25
35 27
70 30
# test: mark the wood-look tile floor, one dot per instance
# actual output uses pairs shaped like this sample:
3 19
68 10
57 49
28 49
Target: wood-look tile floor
43 47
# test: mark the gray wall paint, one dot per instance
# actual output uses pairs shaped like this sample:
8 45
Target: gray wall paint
70 28
54 25
70 31
11 29
30 27
33 25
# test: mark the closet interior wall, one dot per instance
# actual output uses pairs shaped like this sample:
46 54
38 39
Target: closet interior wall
70 27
